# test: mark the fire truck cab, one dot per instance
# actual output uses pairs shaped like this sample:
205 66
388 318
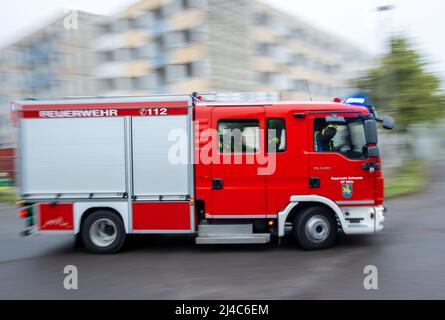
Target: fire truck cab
227 172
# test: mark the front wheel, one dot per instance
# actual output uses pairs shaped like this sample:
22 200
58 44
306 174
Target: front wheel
103 232
315 228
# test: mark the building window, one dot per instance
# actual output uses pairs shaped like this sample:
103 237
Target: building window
260 18
300 85
176 72
123 83
262 48
185 4
239 136
276 135
147 82
161 76
187 34
160 43
198 68
108 84
107 28
145 51
158 13
133 53
108 56
188 70
175 40
264 78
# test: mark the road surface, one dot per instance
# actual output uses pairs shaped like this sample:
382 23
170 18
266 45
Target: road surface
409 256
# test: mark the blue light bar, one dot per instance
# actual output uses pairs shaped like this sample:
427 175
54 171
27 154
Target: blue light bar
358 100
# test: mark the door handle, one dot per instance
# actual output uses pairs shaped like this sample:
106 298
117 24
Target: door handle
217 184
314 183
371 166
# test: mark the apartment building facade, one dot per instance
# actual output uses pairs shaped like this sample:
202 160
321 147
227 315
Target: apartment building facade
54 61
167 46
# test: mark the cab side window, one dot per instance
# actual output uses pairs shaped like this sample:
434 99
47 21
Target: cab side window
239 135
276 135
348 138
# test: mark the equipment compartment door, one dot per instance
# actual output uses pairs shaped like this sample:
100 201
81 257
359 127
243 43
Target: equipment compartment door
160 157
72 157
238 180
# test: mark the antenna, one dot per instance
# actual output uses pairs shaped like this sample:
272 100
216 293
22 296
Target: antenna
308 89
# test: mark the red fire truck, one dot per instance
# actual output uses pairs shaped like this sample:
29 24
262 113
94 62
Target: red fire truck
227 172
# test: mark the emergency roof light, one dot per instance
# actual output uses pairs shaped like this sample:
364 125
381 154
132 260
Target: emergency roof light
362 100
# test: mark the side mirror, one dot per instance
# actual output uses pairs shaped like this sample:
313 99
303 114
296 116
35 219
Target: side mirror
335 120
388 123
373 152
371 132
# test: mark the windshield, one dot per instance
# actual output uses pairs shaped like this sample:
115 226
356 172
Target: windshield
348 139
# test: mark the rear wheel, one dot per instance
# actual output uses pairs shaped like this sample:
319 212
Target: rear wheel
315 228
103 232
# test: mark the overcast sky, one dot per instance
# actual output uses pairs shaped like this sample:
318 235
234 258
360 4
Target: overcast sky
353 20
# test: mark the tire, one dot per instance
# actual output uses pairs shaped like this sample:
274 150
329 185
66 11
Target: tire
103 232
78 241
315 228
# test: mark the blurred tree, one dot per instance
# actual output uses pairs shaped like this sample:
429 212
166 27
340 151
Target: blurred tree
401 86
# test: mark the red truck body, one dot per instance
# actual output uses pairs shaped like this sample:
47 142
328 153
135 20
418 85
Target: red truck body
230 195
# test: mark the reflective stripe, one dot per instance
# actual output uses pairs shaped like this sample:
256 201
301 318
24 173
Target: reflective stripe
244 216
355 202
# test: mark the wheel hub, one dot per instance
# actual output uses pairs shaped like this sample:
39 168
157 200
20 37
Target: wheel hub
317 229
103 232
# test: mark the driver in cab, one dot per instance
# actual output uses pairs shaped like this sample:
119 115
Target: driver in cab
323 139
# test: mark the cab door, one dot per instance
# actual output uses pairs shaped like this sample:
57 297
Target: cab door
238 187
336 167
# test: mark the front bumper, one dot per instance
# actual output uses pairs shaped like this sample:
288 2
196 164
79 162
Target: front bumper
362 220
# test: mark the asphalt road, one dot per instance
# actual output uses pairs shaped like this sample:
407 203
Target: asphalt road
409 255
